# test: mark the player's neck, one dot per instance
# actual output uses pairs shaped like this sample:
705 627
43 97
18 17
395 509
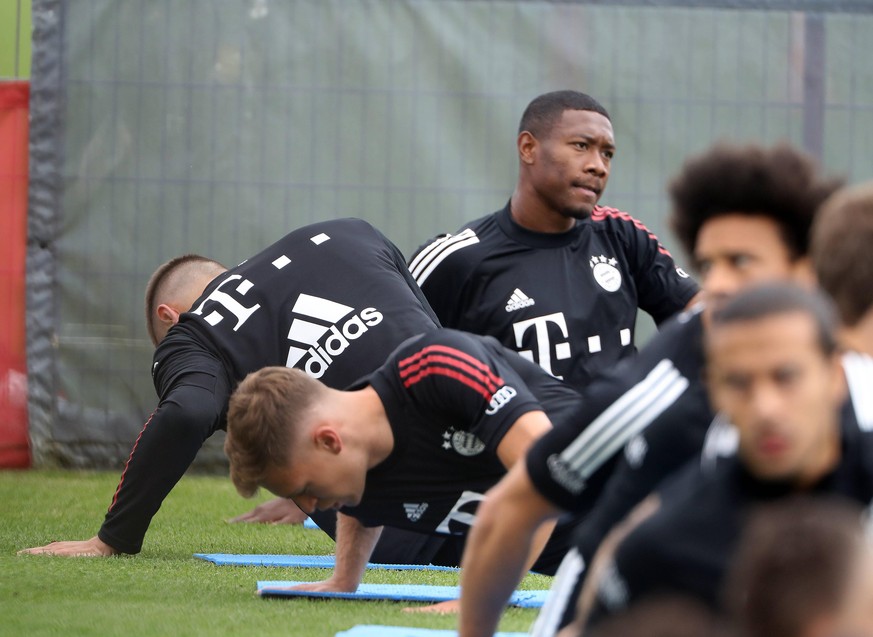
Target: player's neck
859 337
531 212
367 423
826 460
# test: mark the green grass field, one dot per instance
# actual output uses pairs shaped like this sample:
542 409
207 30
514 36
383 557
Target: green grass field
164 590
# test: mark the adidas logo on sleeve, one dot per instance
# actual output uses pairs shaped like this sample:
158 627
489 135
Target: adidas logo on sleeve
518 300
317 325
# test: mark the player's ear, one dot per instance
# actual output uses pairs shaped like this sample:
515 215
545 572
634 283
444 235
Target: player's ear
328 438
527 145
167 314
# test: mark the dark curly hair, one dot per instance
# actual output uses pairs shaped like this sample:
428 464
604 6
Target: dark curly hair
781 182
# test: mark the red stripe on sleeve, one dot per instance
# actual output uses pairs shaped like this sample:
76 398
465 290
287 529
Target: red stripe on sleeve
127 464
490 381
455 357
601 213
450 373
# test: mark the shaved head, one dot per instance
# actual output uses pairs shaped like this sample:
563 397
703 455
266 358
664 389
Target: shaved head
177 284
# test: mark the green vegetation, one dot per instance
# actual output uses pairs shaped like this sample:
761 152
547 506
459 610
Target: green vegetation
15 39
164 590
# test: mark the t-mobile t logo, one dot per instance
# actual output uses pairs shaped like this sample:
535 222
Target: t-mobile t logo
237 309
542 343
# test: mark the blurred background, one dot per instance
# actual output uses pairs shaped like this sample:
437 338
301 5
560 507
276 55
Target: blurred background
135 131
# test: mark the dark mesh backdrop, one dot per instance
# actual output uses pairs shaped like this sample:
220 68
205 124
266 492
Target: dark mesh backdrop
215 126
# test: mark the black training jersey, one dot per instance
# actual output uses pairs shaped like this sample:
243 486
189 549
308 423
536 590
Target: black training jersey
450 398
333 298
566 301
660 388
686 546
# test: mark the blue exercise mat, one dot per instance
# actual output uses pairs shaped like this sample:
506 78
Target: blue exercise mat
398 592
309 523
305 561
403 631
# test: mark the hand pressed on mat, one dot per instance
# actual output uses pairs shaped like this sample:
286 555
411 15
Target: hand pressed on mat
276 511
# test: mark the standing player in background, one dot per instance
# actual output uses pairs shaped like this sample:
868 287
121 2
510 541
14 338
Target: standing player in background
333 299
743 213
553 275
841 251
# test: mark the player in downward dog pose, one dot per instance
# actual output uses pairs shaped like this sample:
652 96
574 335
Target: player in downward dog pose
553 275
333 299
743 213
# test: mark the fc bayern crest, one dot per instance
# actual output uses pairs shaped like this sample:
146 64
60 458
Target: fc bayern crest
605 272
463 442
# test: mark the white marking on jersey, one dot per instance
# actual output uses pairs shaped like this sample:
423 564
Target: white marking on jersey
213 318
594 344
721 441
859 376
319 239
415 511
468 499
625 337
635 451
606 273
304 331
518 300
281 262
623 419
543 345
320 308
428 259
567 575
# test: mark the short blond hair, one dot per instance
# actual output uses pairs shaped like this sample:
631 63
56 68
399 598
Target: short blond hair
265 412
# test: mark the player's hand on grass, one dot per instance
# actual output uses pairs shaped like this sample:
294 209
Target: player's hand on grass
451 607
277 511
95 547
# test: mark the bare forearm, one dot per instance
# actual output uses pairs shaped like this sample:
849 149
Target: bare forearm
494 562
354 544
506 539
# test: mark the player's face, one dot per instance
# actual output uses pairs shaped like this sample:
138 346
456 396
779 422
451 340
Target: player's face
318 479
771 378
734 251
572 161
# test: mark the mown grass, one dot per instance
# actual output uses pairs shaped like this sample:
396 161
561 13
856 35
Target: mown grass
164 590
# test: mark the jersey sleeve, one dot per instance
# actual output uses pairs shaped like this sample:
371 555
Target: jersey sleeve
457 378
194 393
186 416
441 268
615 407
648 458
663 288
